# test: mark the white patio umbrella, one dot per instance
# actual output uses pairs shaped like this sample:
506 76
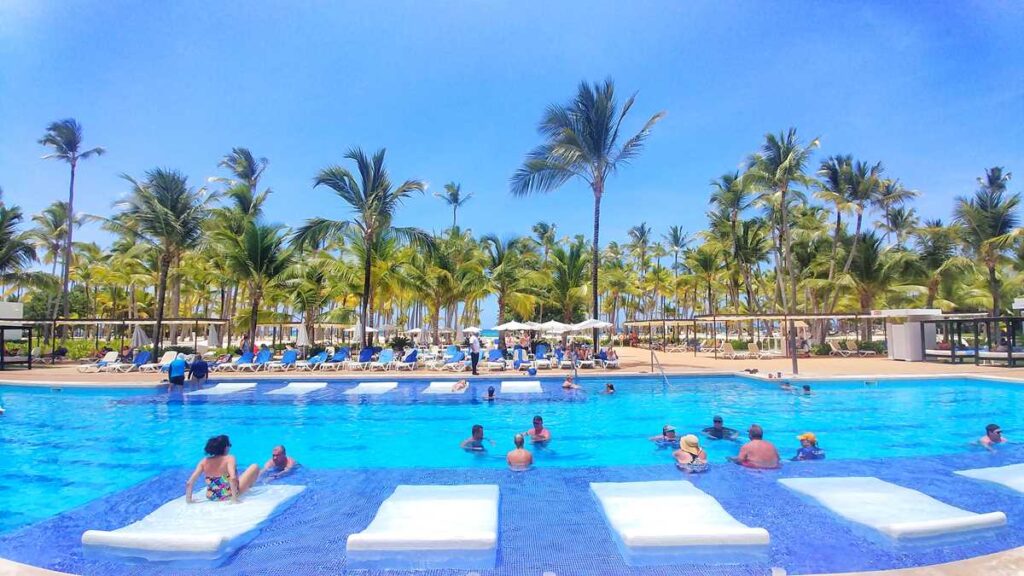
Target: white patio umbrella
513 325
139 338
414 331
212 336
471 330
590 324
555 327
302 340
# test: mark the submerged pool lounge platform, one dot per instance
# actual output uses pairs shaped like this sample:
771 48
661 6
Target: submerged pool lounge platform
420 527
673 521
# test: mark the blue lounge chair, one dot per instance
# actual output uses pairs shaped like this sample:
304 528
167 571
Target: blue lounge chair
521 360
603 361
365 357
409 363
540 358
384 360
312 363
336 362
287 361
457 363
495 360
563 361
141 358
261 360
245 359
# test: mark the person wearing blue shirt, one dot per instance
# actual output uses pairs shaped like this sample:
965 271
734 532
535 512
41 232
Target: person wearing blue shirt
176 372
809 449
198 372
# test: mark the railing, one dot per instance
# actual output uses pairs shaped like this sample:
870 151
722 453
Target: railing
655 362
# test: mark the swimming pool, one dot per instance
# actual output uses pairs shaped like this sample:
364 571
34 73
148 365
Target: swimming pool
69 448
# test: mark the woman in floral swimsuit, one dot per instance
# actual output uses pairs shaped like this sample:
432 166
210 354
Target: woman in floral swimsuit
220 469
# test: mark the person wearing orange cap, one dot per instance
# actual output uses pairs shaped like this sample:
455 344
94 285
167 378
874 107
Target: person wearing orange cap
809 449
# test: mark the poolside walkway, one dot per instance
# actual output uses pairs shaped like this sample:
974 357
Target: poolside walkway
631 360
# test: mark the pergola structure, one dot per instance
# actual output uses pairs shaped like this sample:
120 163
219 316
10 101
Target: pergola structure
988 339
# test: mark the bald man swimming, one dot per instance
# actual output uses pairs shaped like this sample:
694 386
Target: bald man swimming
280 463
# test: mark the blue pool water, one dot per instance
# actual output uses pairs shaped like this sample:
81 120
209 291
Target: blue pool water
100 459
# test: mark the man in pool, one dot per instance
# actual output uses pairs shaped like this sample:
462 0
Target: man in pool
280 463
569 384
176 372
758 453
490 394
475 443
719 432
807 390
519 458
993 435
538 434
668 437
809 449
198 372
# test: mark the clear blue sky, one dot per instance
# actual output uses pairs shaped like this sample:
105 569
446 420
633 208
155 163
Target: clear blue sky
454 90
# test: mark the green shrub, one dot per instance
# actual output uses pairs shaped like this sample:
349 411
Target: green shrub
739 345
877 345
401 342
821 349
78 349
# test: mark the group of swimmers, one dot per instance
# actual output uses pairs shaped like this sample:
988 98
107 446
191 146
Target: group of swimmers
220 470
756 453
519 458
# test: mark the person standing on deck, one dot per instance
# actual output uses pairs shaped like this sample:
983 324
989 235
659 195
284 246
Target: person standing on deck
474 352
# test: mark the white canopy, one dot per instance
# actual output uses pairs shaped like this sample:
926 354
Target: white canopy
555 326
302 339
471 330
590 324
212 336
414 331
513 325
139 338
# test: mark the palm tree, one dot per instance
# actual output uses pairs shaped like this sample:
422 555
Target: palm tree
64 137
582 140
675 241
891 196
375 202
706 264
987 219
568 283
935 246
259 258
507 275
875 272
454 197
732 195
780 165
163 211
16 247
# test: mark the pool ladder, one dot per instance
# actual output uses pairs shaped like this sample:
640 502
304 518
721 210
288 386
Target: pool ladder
655 362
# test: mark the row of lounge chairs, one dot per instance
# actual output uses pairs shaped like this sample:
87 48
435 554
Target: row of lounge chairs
850 349
753 351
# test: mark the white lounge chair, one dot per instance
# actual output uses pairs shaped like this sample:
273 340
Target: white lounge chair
108 358
672 517
521 387
756 352
223 388
729 353
1011 476
837 351
892 510
300 388
855 347
443 388
450 527
372 388
204 530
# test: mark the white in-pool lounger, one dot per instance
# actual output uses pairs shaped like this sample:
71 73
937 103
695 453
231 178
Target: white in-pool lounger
1011 476
299 388
521 387
895 511
201 531
673 520
372 388
443 388
430 527
223 388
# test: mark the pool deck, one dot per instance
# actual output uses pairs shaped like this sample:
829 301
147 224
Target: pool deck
633 361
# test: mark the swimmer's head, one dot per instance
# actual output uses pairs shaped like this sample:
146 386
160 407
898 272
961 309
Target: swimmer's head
755 432
538 421
490 390
807 387
478 431
609 387
518 440
218 445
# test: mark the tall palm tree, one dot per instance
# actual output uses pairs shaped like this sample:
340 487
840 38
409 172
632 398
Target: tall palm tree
987 219
454 197
64 137
16 248
732 194
874 273
568 284
892 195
50 231
582 141
706 264
163 211
260 259
375 202
507 275
937 259
675 242
775 169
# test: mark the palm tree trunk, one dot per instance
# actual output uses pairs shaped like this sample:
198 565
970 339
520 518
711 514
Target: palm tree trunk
791 305
365 304
161 291
598 187
254 312
993 287
65 301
